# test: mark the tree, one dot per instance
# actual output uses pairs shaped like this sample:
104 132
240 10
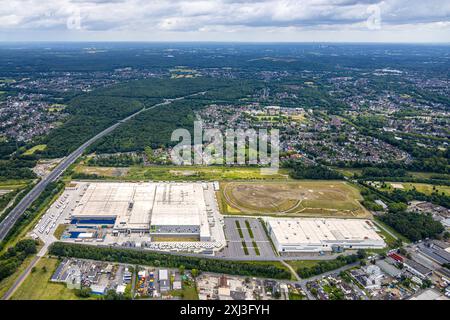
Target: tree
426 283
84 292
397 207
414 226
194 273
361 254
113 295
181 269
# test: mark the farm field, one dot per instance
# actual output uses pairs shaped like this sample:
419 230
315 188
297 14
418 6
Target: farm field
38 287
13 184
180 173
39 147
291 199
350 172
420 187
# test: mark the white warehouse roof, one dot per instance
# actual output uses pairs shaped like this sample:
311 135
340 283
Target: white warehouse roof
178 204
320 234
136 206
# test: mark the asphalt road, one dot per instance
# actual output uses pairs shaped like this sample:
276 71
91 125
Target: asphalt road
27 200
8 294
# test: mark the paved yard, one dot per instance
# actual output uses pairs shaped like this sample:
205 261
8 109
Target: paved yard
235 247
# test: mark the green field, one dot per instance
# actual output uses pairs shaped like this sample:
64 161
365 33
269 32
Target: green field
302 263
420 187
291 198
60 231
429 175
349 172
6 283
13 184
39 147
56 107
38 287
181 173
189 292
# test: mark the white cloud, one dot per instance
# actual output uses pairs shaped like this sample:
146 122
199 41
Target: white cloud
137 17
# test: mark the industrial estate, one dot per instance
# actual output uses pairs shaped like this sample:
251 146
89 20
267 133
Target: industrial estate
176 216
354 203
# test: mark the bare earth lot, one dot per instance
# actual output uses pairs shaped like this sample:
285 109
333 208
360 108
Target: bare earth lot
293 198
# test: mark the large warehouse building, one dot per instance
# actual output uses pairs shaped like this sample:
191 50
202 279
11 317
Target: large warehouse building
314 235
163 209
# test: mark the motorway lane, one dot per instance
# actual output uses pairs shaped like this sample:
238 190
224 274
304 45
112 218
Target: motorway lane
27 200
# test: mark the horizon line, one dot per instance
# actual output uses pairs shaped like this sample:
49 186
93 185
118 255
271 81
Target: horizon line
223 42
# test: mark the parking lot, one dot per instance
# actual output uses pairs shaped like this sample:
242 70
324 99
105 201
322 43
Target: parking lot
244 243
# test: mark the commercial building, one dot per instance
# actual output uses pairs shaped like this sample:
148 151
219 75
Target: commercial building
164 283
314 235
417 269
161 209
389 269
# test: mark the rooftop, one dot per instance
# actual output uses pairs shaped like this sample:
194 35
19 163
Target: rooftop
315 231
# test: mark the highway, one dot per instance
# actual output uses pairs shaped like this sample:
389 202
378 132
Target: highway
14 215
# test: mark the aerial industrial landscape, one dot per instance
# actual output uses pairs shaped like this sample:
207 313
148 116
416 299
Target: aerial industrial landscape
229 171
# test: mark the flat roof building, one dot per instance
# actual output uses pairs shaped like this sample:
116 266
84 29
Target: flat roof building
322 234
161 208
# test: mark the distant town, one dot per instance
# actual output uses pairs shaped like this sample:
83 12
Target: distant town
93 205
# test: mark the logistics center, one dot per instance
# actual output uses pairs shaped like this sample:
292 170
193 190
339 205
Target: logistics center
310 235
161 209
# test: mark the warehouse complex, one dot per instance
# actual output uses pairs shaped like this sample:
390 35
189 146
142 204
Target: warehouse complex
161 209
309 235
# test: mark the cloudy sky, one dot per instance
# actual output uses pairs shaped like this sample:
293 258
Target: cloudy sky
226 20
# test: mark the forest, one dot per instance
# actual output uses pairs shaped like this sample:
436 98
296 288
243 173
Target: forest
93 112
299 170
14 256
260 269
415 226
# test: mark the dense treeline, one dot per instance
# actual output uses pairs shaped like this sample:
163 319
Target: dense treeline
95 111
329 265
14 256
7 147
154 127
151 128
16 169
300 170
415 226
87 176
89 116
119 160
373 172
141 257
